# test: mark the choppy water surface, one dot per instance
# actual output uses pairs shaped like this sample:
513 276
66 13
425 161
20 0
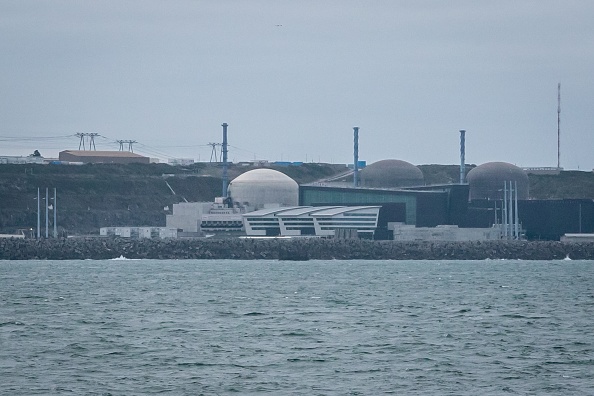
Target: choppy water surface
317 327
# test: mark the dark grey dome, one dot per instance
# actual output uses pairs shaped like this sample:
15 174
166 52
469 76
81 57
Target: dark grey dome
486 181
391 173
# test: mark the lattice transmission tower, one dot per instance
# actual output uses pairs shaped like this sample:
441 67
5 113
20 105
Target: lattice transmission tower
214 153
129 142
89 137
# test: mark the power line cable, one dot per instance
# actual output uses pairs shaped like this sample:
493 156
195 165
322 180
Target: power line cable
154 151
187 146
247 151
24 141
144 149
33 138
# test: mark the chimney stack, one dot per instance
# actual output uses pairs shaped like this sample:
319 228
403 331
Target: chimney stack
356 157
462 155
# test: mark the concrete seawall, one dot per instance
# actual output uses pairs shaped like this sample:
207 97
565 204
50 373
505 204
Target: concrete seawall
291 249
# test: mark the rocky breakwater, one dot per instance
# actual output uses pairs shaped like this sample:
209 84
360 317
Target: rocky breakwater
288 249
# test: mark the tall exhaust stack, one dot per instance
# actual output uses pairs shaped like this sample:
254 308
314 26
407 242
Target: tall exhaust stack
462 155
225 176
356 157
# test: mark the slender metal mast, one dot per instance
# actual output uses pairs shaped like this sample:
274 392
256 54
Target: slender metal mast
504 214
38 214
559 126
495 220
516 216
225 176
510 212
55 215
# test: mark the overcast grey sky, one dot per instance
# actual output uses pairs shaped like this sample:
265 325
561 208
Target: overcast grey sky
291 78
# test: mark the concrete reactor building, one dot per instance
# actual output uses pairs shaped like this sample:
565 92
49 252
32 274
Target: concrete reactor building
487 181
260 188
391 173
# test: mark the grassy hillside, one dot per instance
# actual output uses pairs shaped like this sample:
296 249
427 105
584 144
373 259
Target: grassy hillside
566 185
99 195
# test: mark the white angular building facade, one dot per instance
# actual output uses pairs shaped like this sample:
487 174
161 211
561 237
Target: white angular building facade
324 221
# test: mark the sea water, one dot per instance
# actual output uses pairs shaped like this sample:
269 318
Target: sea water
218 327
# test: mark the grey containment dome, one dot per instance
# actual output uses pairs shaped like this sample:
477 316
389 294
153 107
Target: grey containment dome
264 187
486 181
391 173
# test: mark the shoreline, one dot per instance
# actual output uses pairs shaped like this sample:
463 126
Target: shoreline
288 249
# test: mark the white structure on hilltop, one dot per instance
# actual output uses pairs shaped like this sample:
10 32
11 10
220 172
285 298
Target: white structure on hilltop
30 159
180 161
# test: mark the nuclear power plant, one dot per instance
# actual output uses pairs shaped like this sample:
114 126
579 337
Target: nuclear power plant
388 199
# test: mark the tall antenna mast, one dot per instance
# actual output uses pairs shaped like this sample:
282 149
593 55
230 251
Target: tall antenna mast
559 126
